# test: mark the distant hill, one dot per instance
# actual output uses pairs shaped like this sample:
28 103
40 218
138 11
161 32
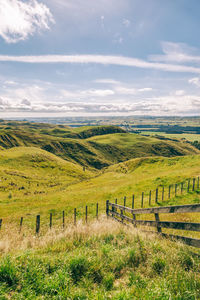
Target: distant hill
94 147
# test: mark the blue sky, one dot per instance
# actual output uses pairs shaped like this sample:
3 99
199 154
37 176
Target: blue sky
86 57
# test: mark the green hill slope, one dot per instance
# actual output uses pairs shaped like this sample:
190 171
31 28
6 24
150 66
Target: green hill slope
94 147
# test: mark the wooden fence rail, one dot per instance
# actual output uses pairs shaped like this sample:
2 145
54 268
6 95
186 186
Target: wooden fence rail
111 211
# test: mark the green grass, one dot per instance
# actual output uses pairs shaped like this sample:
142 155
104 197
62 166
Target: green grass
100 261
34 181
188 136
94 147
42 171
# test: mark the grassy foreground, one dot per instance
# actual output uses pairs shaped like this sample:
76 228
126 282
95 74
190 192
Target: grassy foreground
102 260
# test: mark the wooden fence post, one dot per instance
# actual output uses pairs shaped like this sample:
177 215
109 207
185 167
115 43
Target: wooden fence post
97 211
107 208
21 222
188 187
193 184
1 223
163 193
122 219
156 198
142 201
181 187
37 224
149 198
198 182
115 203
63 219
86 214
74 216
175 189
134 220
169 193
133 202
50 221
157 225
124 200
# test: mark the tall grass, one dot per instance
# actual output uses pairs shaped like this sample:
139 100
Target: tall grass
101 260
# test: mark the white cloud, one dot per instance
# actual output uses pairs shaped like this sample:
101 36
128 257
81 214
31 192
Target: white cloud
126 23
145 90
176 52
179 92
19 20
101 59
107 81
195 81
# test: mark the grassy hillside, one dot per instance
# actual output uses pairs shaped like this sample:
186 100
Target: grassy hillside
95 147
39 182
100 261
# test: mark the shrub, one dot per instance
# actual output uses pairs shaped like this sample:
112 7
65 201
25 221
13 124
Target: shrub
133 258
135 279
158 265
186 260
108 238
108 281
78 268
8 273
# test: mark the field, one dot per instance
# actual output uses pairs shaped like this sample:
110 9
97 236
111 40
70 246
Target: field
188 136
103 260
53 168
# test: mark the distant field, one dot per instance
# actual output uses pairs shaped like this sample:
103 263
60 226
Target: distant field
187 136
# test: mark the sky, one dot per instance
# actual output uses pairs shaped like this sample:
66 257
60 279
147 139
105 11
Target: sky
63 58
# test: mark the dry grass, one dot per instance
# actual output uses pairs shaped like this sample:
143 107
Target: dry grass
11 240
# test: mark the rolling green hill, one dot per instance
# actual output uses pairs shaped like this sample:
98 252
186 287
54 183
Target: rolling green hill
94 147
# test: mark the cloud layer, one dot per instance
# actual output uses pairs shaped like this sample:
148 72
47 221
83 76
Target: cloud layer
100 59
18 19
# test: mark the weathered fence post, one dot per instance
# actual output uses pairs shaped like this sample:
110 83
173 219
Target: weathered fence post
157 222
115 203
50 223
122 219
21 222
142 201
107 208
169 193
134 220
37 224
193 184
175 189
124 200
97 211
163 193
181 187
1 223
86 214
188 187
74 216
156 198
133 202
63 219
149 198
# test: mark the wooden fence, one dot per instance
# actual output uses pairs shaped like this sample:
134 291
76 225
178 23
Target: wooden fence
150 198
63 223
164 193
117 212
